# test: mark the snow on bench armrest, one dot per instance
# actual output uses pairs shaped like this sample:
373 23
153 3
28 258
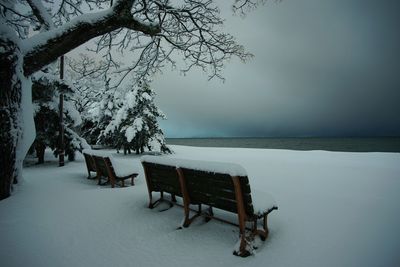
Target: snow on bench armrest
200 165
262 202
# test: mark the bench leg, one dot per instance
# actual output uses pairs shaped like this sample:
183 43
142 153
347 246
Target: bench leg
243 246
151 205
243 243
187 220
265 226
210 214
263 233
112 181
242 239
241 218
100 179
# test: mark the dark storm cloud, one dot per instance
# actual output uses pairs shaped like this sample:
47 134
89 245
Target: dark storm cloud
321 68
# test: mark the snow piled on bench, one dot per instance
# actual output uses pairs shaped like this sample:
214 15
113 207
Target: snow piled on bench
121 168
232 169
99 153
262 202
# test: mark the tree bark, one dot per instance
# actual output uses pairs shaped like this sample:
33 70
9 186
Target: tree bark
10 117
40 149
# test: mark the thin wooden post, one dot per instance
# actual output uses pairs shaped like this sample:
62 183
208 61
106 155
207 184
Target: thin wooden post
149 185
241 214
110 172
185 196
61 113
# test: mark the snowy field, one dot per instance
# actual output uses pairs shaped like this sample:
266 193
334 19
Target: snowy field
335 209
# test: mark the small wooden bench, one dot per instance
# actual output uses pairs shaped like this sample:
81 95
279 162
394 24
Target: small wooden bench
217 185
106 169
91 167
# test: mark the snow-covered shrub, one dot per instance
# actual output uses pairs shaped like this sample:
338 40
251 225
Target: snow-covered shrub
135 126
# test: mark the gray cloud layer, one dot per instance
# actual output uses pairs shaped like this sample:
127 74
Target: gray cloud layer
321 68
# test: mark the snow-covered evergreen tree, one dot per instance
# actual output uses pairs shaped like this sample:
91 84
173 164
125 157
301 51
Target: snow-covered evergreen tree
108 107
91 85
135 125
46 90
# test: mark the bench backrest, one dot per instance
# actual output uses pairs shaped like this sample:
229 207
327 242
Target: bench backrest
162 178
101 166
89 162
216 190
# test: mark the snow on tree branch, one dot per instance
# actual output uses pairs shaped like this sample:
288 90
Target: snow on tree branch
44 48
41 14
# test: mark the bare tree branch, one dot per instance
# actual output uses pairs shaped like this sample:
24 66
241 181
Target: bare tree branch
155 31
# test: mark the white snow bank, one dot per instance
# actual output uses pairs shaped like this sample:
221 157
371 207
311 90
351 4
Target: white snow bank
335 209
201 165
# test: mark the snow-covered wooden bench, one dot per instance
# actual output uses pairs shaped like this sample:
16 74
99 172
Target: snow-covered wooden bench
218 185
109 169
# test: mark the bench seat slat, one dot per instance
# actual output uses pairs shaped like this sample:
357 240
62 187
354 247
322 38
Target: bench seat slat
213 179
215 191
164 178
215 202
218 177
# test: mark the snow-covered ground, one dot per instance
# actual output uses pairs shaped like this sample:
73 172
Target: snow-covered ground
335 209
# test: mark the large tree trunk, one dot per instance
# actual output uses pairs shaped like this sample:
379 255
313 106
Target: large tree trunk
10 117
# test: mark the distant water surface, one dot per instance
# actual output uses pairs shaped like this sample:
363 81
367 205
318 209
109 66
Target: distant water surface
386 144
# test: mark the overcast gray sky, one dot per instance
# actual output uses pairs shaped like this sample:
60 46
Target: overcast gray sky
321 68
